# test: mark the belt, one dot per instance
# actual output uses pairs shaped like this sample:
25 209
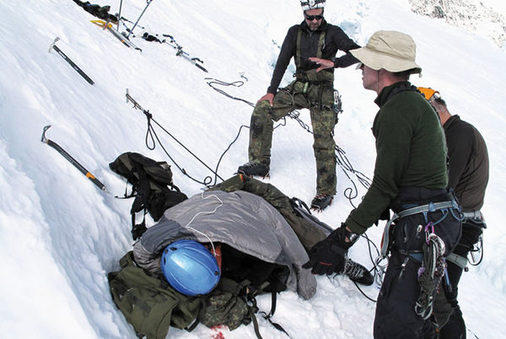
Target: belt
316 82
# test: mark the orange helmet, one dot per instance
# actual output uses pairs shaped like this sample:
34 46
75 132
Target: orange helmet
428 93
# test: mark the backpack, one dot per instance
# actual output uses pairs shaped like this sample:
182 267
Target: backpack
149 303
152 187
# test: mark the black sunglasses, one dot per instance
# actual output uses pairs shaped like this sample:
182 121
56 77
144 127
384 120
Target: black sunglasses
312 17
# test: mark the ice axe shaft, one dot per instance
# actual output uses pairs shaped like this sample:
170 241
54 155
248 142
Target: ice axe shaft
71 63
71 159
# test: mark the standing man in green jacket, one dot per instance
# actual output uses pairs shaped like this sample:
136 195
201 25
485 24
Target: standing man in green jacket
468 177
410 178
313 44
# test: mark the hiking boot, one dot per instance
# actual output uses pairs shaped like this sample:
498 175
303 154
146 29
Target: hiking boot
321 201
254 168
358 273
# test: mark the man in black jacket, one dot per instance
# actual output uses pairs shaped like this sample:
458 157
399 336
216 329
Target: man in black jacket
468 177
314 44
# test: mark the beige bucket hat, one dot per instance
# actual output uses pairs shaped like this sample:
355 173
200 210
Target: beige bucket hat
391 50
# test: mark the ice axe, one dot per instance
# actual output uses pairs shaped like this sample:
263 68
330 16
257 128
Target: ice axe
67 59
71 159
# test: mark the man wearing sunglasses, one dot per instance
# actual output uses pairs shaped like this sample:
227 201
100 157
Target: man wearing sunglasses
313 44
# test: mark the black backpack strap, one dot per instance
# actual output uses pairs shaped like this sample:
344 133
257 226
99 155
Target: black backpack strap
142 190
253 308
140 202
298 204
138 229
268 317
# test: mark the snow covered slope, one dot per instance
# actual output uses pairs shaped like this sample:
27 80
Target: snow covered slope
60 235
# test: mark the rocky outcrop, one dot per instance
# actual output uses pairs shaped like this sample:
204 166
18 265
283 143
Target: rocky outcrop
469 14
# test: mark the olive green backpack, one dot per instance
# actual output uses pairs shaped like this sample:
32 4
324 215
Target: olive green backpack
149 303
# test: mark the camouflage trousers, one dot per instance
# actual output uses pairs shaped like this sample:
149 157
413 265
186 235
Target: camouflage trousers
318 98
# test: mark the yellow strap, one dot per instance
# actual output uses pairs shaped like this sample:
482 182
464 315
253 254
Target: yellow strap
101 23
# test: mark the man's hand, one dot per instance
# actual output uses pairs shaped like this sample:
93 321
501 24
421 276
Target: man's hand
323 63
328 255
269 97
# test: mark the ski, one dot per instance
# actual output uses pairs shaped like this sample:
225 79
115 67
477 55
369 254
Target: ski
71 159
116 33
67 59
180 52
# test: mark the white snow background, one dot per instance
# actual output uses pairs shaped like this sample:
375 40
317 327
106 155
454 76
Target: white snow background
60 235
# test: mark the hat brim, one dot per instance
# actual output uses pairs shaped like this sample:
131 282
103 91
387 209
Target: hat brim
378 60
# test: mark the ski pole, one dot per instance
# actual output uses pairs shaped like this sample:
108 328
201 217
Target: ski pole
119 13
67 59
180 52
132 29
71 159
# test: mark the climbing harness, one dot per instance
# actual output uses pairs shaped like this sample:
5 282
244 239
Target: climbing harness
445 207
433 264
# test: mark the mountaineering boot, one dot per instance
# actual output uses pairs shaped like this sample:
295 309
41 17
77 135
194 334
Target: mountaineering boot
254 168
358 273
103 12
321 201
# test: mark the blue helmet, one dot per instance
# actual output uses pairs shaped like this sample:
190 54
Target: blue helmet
190 268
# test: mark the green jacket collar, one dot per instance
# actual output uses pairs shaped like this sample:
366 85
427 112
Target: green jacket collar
388 92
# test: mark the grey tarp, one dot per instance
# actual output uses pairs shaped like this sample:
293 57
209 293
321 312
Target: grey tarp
239 219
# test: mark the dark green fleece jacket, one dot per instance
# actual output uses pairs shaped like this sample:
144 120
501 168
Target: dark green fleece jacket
411 152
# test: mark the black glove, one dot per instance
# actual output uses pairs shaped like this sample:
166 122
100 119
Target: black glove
328 255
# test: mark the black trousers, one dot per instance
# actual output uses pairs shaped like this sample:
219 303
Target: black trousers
455 328
395 309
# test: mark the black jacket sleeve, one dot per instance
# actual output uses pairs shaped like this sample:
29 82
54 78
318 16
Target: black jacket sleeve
338 40
284 57
335 40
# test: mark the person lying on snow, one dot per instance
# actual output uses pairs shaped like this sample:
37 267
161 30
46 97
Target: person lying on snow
245 215
209 256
